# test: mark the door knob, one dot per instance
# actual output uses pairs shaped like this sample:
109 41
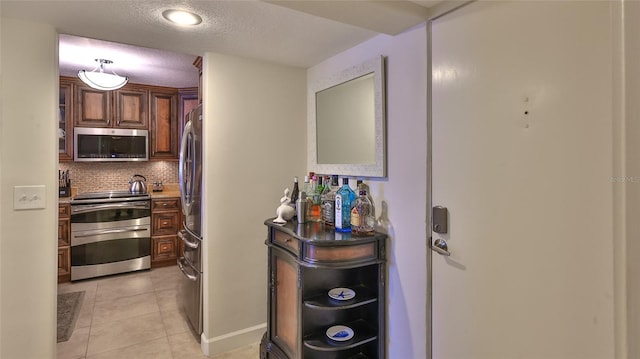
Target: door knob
440 246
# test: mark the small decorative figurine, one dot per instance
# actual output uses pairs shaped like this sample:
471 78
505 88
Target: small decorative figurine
285 211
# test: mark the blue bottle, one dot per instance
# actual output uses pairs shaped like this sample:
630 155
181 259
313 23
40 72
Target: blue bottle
344 199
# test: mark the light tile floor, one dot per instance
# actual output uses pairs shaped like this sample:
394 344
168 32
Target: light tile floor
135 315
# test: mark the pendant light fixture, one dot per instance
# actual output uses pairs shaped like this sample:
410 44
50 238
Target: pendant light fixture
100 80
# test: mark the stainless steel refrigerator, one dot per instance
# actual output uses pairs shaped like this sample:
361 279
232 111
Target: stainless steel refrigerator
190 263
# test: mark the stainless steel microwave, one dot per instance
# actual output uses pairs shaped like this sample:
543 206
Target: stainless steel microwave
110 144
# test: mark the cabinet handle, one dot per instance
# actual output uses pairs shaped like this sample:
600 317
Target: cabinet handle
287 240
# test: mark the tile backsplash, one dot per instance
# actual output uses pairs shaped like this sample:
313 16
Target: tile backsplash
114 176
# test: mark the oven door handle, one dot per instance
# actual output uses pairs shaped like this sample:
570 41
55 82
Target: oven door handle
97 207
187 242
181 265
108 231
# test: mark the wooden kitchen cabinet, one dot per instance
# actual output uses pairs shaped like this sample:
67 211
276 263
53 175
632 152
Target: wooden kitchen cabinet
165 224
92 108
306 261
187 101
159 109
64 243
65 121
164 124
198 64
123 108
131 107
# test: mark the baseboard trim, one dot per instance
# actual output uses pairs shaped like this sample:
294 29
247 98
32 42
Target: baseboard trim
233 340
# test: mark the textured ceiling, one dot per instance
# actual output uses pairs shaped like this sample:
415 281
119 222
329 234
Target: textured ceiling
141 64
148 49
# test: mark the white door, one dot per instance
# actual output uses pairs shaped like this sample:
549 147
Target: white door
522 158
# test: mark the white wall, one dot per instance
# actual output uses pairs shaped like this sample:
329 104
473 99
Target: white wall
631 177
404 191
254 144
28 155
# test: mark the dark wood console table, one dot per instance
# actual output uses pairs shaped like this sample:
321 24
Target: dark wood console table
306 261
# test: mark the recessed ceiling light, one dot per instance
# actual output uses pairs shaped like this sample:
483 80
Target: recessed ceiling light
182 17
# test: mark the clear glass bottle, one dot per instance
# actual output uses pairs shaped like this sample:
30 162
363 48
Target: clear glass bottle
363 186
362 219
344 198
329 202
306 187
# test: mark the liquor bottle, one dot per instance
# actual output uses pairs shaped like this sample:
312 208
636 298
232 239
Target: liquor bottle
344 199
321 184
295 192
308 189
362 219
363 186
316 205
306 186
329 202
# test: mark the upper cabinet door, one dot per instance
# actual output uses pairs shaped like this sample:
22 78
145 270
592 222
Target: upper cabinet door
123 108
164 125
92 107
131 108
65 122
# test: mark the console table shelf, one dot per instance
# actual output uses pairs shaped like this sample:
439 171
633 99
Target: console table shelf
305 262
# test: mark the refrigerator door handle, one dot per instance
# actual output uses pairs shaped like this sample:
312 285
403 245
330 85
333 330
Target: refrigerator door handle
185 173
186 241
182 266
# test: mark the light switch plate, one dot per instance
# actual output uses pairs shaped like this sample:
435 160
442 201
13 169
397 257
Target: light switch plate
28 197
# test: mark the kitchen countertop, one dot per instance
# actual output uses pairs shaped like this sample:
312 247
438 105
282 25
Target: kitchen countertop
169 190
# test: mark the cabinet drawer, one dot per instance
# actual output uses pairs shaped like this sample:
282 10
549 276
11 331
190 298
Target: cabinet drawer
64 210
63 233
165 247
165 223
287 242
165 204
358 252
64 263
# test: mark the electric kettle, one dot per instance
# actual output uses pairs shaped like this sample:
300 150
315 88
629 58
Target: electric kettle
138 185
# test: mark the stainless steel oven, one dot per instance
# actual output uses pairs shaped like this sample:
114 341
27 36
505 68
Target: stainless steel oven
110 233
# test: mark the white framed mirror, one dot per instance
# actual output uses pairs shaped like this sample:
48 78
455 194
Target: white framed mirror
347 122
